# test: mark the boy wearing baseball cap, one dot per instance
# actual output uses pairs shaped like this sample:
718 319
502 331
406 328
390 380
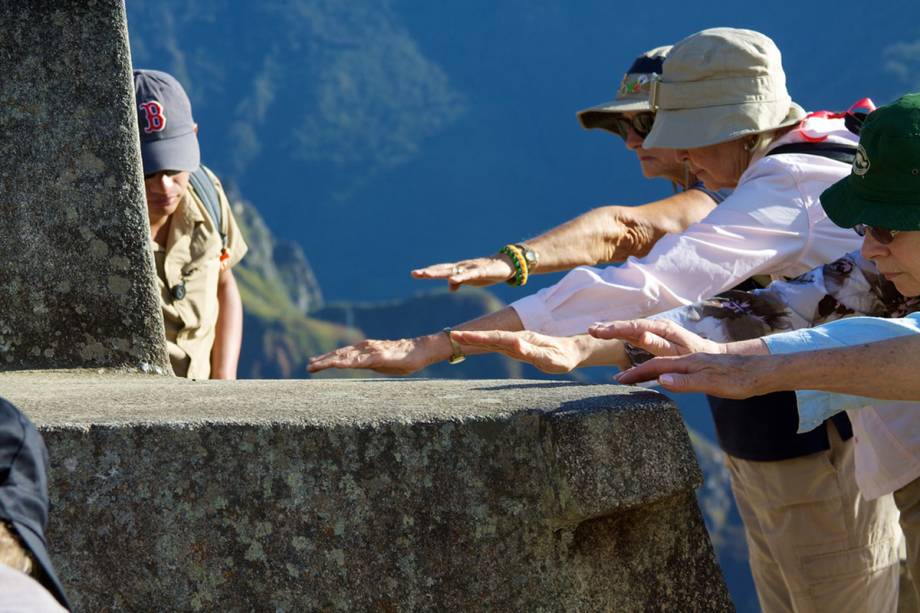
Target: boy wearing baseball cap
195 239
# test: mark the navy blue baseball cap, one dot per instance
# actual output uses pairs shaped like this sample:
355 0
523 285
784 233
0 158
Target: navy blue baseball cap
24 490
164 117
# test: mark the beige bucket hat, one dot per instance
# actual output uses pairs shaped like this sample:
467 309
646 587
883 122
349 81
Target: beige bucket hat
632 94
718 85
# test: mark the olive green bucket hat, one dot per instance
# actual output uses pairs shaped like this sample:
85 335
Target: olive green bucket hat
883 187
719 85
632 94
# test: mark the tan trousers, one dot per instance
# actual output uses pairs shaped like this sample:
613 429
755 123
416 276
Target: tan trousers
814 543
908 500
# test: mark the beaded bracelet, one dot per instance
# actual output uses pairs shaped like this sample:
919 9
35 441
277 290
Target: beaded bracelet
519 263
525 271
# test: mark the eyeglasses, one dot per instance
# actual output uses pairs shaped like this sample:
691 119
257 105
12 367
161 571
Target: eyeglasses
641 124
881 235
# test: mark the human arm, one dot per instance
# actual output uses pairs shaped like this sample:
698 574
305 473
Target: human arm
602 235
764 227
406 356
884 368
848 286
551 354
228 336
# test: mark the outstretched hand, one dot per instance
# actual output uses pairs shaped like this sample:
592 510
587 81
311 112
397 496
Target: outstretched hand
725 376
551 354
399 357
659 337
480 271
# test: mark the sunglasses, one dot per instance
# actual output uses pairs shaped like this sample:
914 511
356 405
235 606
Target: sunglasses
881 235
640 123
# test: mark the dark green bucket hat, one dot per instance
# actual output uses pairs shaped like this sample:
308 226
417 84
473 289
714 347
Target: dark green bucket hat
883 188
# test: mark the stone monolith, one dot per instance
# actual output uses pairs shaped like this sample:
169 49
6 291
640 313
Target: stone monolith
76 277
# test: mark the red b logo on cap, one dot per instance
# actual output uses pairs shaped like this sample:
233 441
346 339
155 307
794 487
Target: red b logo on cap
156 120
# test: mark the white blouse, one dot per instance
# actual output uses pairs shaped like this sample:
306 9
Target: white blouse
772 224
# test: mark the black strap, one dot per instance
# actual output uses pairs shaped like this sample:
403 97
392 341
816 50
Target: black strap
204 186
841 153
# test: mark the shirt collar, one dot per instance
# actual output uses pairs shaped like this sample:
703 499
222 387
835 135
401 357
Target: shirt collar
185 218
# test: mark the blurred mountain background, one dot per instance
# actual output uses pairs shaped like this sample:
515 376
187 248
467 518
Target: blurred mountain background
362 139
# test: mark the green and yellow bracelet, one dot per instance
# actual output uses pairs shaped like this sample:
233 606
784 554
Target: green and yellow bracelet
519 263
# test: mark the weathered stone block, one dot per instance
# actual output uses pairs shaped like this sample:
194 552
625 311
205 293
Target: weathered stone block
77 279
370 495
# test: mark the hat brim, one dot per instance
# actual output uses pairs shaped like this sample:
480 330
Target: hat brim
846 208
691 128
177 153
596 116
36 546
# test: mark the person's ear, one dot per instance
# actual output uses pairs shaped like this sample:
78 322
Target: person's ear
195 129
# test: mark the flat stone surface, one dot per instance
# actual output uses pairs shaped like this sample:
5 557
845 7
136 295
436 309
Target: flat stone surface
77 279
398 495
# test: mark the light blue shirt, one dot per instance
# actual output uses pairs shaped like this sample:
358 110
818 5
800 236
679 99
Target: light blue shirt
814 406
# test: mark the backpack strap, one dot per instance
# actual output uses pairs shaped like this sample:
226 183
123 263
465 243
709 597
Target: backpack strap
840 153
203 185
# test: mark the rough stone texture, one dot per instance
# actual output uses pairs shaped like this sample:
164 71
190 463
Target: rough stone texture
370 495
76 280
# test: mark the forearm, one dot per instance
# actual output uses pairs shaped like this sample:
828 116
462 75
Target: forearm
228 336
886 370
439 347
754 346
614 233
587 240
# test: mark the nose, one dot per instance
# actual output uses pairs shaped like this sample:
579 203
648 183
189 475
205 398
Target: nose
633 140
683 155
165 180
872 249
160 182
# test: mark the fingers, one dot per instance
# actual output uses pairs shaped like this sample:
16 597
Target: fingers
657 345
705 382
642 333
703 373
541 352
481 271
345 357
696 382
657 336
436 271
652 370
456 274
377 355
632 329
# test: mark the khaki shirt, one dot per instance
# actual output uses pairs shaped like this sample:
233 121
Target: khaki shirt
192 256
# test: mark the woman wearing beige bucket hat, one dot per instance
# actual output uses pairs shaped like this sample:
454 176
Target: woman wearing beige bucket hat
815 543
608 233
